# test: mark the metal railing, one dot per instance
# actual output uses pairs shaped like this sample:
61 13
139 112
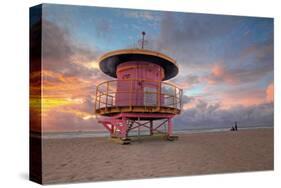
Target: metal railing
141 93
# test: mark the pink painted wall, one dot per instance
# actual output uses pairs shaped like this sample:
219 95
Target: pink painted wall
149 72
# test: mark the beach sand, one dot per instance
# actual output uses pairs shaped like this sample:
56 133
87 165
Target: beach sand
98 159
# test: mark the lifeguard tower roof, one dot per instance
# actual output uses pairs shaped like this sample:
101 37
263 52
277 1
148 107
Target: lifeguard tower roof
108 62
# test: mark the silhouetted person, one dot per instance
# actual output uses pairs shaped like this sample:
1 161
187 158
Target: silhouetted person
235 126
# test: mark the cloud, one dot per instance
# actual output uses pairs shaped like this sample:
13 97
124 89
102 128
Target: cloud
69 114
242 97
195 27
196 41
244 94
248 107
230 75
61 53
220 74
187 102
56 84
186 81
209 116
141 14
229 67
253 64
67 121
189 36
270 93
69 74
66 96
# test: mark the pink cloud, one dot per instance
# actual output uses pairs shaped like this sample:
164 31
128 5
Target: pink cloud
218 70
246 98
220 74
270 93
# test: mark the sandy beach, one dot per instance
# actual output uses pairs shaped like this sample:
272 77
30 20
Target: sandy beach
98 159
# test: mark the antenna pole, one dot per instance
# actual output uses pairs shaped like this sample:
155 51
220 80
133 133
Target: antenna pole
142 43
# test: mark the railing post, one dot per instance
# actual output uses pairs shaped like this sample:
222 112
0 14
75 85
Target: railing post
131 89
96 98
159 95
180 99
174 104
106 95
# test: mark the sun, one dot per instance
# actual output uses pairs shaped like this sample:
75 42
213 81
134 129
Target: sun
92 65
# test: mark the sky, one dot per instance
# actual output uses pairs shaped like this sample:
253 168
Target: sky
225 64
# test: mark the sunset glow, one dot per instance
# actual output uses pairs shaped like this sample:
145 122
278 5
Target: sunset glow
226 63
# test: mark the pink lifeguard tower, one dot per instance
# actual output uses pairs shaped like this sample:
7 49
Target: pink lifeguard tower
138 96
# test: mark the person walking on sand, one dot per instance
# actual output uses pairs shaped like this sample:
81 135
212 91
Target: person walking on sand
235 126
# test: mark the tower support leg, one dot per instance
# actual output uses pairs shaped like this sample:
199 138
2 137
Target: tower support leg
120 125
112 130
170 136
170 127
151 127
124 130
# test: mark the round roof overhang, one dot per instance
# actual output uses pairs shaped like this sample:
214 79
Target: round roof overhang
108 62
